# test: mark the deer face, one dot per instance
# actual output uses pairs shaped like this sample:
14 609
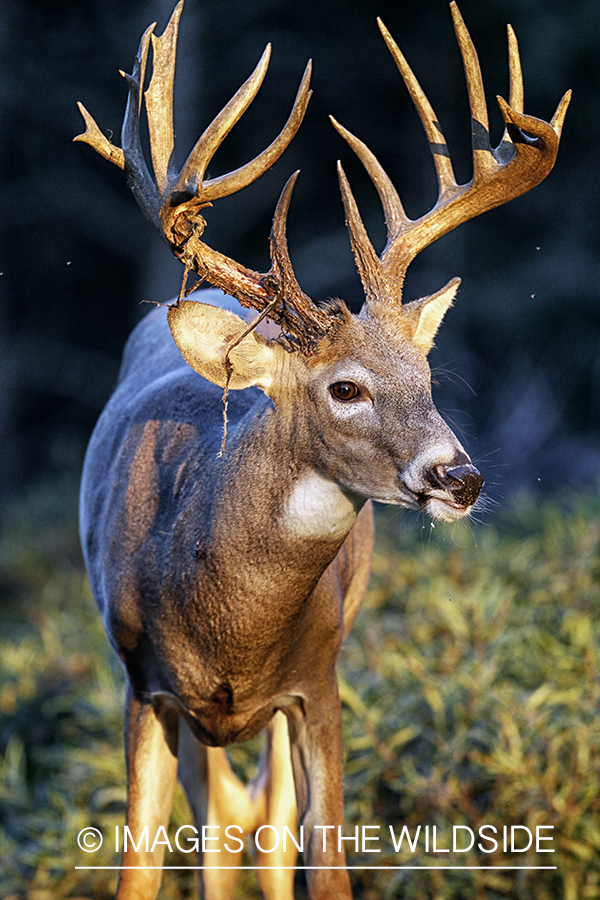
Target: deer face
374 422
360 406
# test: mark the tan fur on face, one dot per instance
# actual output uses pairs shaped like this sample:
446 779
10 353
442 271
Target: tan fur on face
417 321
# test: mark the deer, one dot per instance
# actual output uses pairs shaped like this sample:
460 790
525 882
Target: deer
226 500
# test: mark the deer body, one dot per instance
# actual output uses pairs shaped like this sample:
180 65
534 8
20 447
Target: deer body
219 577
226 583
228 571
226 562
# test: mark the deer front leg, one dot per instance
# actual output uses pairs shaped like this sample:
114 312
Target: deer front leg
217 798
274 797
151 742
316 744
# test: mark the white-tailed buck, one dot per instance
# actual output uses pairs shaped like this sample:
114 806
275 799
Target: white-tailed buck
228 569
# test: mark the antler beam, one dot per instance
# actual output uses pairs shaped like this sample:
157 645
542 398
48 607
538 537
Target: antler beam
525 155
173 201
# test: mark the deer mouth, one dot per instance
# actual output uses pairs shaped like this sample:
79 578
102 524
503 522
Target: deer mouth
445 509
449 492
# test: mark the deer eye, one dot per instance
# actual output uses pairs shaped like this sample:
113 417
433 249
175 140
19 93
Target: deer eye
344 391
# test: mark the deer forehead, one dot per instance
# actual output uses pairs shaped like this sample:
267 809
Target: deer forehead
370 352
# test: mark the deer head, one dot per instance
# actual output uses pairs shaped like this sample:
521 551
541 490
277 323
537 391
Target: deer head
321 348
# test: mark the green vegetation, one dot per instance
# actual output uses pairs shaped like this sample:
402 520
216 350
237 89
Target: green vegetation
471 696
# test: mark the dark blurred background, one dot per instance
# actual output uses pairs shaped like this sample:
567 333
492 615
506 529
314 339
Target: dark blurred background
518 359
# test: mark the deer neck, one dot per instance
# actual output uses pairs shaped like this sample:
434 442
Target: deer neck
278 504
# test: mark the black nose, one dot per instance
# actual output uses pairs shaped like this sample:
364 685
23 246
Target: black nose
464 482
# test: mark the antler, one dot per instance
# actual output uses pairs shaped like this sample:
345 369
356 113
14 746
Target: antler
524 157
173 201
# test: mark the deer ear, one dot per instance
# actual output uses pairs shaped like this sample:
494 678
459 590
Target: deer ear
203 333
424 317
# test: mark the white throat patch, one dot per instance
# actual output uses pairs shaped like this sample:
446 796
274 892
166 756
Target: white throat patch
319 508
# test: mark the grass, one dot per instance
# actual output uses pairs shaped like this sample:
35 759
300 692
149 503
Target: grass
470 687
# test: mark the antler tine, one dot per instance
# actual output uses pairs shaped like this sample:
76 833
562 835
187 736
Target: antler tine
222 186
435 137
130 157
159 101
296 307
369 266
522 160
395 217
138 176
98 141
505 149
516 96
558 119
192 173
483 161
